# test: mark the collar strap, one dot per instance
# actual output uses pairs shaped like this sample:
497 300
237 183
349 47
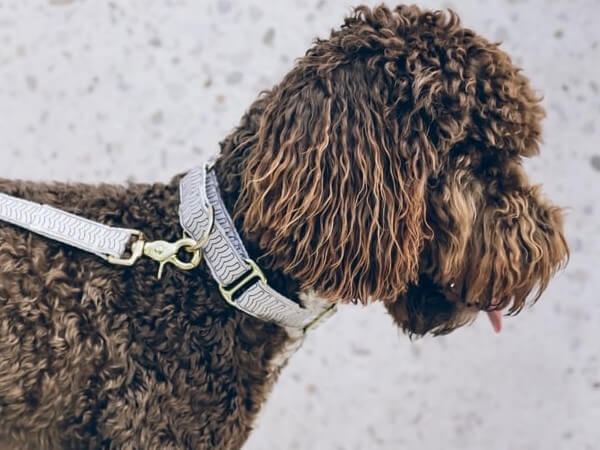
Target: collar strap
242 284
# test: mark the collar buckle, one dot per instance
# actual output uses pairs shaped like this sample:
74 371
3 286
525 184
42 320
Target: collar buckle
321 318
232 289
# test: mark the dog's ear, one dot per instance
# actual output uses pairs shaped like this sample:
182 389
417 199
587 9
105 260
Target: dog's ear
333 190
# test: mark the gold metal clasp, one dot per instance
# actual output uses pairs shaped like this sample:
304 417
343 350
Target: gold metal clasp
321 317
229 291
137 250
165 252
162 252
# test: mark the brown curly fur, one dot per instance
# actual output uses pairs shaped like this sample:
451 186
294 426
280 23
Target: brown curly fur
385 166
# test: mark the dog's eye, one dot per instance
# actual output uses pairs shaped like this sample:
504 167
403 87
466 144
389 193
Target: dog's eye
453 293
433 182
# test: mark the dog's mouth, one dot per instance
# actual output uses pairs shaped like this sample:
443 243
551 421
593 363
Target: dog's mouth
496 320
495 316
427 307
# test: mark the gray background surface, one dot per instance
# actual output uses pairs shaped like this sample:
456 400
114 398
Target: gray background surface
140 90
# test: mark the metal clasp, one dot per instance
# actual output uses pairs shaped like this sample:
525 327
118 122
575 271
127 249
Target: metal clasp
162 252
137 250
230 290
321 317
165 252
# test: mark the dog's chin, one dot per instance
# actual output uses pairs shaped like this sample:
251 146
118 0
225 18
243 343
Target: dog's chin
425 309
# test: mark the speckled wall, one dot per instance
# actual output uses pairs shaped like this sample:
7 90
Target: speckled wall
141 90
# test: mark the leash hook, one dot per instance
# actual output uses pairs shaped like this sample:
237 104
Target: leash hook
164 252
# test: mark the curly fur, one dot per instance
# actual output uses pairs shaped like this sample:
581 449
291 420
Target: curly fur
385 166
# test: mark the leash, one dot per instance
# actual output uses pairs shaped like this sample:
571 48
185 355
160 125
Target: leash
109 243
209 234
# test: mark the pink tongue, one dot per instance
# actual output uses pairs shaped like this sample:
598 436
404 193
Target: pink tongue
496 319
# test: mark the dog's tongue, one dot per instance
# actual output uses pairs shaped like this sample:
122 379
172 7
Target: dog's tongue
496 319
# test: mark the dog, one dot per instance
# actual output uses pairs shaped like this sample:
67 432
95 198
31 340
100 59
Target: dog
385 167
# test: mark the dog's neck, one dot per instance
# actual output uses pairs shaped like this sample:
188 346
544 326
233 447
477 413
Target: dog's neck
228 168
229 187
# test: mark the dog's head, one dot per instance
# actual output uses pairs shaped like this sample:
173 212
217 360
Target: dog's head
387 166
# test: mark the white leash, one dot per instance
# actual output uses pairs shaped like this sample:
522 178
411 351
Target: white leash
203 216
67 228
109 243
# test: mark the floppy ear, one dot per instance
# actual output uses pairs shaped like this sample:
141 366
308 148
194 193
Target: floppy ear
334 189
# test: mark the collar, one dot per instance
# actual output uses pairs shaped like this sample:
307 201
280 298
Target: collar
242 284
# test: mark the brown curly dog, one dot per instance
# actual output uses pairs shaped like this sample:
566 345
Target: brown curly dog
386 166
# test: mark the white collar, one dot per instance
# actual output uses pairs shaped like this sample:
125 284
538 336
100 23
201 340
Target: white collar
242 284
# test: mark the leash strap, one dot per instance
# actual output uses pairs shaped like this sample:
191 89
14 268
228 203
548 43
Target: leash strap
109 243
241 282
65 227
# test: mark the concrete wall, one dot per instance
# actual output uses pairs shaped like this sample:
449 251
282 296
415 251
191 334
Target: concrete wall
140 90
